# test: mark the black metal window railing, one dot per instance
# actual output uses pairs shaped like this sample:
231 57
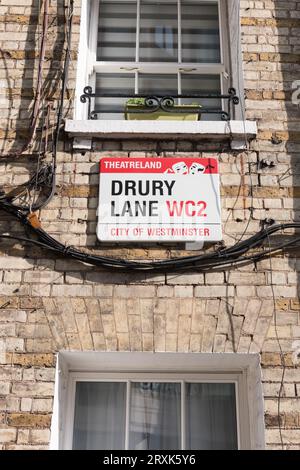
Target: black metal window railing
153 103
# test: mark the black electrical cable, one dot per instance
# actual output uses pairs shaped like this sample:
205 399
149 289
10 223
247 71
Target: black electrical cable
40 179
224 258
109 263
60 109
283 363
50 169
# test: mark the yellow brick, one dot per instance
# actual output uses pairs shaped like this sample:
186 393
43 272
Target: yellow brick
275 57
295 304
274 359
267 95
79 191
31 359
279 23
282 304
9 302
27 420
254 95
280 95
250 57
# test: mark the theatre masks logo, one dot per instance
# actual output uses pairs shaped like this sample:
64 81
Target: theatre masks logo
181 168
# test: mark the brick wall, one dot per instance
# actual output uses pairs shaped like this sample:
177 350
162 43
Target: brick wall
48 303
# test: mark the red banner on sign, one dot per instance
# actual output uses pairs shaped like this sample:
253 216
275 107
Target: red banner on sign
171 166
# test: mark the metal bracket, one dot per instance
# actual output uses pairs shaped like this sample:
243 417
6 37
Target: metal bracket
194 246
82 144
238 145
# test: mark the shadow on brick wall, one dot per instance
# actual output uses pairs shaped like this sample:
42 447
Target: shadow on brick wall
27 83
279 186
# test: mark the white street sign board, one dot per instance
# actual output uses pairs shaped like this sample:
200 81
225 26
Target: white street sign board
159 199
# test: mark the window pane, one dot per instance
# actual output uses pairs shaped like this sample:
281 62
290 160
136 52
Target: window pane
117 31
200 32
210 416
112 83
202 84
99 421
158 31
150 83
155 416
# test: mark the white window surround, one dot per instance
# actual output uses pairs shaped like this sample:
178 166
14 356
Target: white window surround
243 369
90 65
238 130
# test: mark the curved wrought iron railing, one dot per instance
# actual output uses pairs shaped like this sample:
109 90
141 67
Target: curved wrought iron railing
153 103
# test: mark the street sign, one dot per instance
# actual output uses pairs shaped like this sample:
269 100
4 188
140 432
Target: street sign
159 200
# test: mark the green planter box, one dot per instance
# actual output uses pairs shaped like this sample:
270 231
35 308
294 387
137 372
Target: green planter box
161 115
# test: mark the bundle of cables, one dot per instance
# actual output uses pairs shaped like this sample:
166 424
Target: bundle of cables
41 180
223 258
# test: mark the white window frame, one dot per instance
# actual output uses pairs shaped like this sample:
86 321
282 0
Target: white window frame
241 369
181 378
89 66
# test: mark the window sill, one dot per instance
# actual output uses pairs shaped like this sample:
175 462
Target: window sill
235 131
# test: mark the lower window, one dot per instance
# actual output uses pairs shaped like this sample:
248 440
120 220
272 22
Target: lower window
155 414
161 401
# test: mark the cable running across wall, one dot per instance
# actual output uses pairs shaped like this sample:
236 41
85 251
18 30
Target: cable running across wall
224 258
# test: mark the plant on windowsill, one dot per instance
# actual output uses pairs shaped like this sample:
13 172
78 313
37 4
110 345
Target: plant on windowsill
151 109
